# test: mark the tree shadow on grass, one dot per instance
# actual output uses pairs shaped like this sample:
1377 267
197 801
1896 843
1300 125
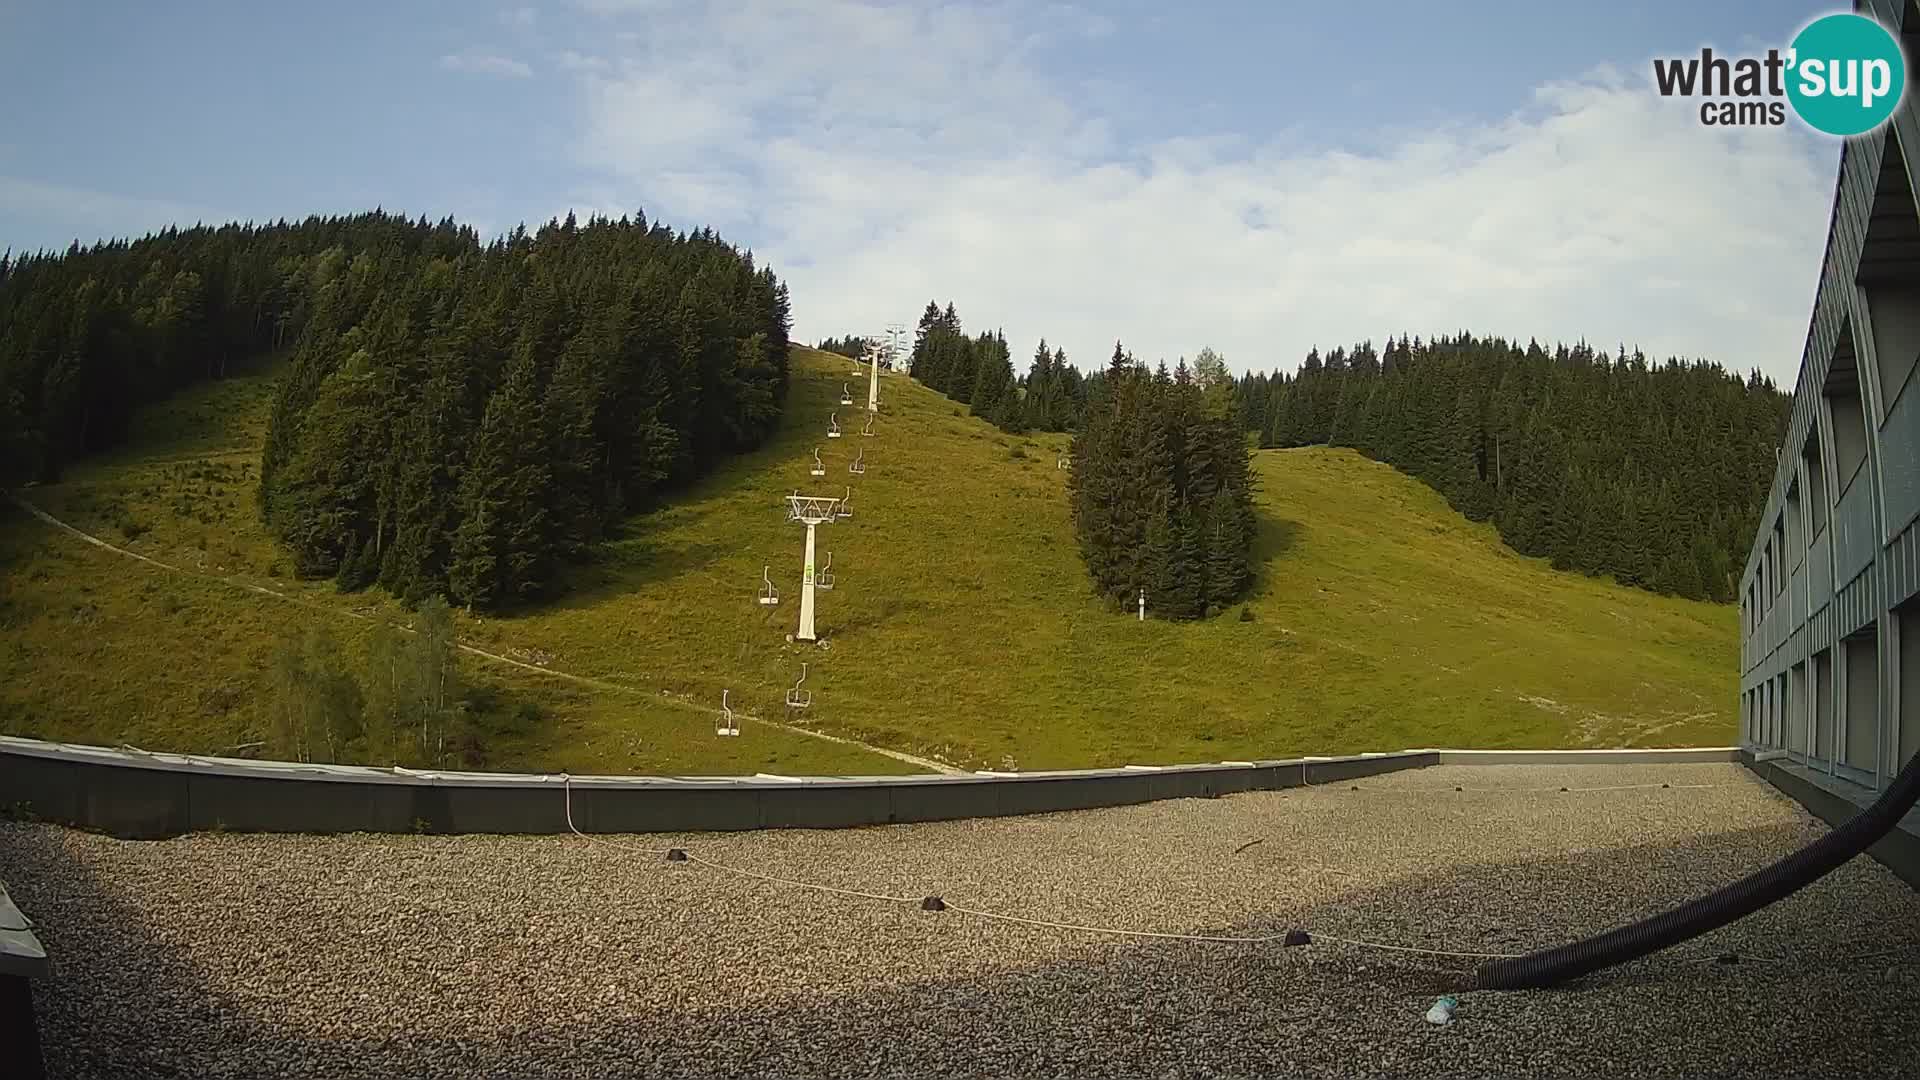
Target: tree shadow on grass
1274 536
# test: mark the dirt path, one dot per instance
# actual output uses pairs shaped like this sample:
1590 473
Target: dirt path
910 759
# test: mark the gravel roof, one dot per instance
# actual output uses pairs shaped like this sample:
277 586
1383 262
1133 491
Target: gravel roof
236 955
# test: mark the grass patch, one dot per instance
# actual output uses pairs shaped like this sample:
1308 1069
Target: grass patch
961 624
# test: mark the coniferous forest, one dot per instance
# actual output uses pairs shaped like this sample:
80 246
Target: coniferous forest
978 372
456 417
852 346
89 334
1162 489
462 422
1654 474
459 417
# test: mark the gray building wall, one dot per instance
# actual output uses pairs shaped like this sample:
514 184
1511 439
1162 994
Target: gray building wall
1830 621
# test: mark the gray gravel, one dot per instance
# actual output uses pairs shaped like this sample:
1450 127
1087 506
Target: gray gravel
230 955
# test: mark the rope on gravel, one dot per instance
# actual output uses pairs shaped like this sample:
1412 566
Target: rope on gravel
1289 937
1113 931
566 782
1424 790
1427 789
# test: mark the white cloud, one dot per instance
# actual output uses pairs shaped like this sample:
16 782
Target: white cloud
877 173
477 63
573 61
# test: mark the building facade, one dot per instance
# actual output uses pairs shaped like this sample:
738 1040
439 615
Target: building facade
1830 620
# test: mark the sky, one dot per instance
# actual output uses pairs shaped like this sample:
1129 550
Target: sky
1260 177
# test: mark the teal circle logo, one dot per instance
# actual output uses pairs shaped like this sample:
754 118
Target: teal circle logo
1847 74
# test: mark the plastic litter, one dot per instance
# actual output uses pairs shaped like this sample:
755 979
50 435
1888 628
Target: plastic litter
1442 1010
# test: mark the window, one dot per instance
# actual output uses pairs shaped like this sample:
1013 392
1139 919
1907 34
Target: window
1848 421
1890 274
1798 717
1796 535
1781 559
1862 749
1823 705
1816 486
1906 630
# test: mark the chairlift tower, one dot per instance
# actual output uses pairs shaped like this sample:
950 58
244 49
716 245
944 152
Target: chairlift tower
894 333
811 511
874 352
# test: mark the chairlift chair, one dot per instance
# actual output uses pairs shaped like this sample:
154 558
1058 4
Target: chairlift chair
798 698
823 577
728 726
859 465
868 430
768 594
846 395
819 467
1063 463
841 510
833 426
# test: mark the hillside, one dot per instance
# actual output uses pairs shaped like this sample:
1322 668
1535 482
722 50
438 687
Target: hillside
961 628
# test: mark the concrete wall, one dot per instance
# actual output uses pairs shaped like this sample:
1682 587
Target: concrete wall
1836 801
144 796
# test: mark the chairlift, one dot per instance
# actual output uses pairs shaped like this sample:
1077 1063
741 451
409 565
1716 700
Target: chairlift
798 698
728 726
859 465
868 430
819 467
846 395
833 426
841 510
823 577
1063 463
768 594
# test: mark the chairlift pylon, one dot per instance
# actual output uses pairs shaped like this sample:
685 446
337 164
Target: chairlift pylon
798 698
727 726
768 594
823 577
819 467
859 465
833 425
846 395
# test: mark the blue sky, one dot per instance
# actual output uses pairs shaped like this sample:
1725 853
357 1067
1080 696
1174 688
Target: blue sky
1259 176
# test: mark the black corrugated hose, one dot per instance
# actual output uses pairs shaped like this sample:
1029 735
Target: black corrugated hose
1751 893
